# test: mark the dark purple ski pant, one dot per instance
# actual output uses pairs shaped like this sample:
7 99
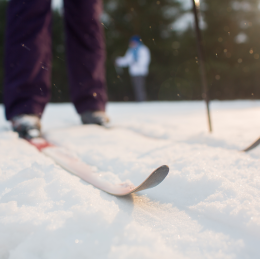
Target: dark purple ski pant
28 56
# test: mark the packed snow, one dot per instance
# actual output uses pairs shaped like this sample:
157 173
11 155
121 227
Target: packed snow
207 207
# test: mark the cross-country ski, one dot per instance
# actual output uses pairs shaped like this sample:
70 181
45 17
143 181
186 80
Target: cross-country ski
70 162
252 146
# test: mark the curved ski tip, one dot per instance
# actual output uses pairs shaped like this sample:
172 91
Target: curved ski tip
155 178
164 168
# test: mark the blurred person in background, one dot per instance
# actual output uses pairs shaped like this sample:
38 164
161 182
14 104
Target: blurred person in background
28 56
137 58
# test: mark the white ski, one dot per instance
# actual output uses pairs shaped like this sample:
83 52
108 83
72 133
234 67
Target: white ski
74 165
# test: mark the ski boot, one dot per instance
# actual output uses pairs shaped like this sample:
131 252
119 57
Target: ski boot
27 126
94 117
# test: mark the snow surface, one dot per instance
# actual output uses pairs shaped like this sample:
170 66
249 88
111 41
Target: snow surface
207 207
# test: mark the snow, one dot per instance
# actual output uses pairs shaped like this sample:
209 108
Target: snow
207 207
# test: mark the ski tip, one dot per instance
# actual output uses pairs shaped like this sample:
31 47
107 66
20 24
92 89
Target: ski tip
164 167
155 178
162 171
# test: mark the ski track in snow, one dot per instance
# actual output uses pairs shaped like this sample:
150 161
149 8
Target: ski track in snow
207 207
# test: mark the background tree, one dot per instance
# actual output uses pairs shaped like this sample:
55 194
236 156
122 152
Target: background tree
232 49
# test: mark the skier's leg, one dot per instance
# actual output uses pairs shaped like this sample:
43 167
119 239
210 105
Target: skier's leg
27 57
135 87
138 83
142 88
85 54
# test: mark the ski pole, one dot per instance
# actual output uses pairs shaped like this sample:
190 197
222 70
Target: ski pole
201 62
